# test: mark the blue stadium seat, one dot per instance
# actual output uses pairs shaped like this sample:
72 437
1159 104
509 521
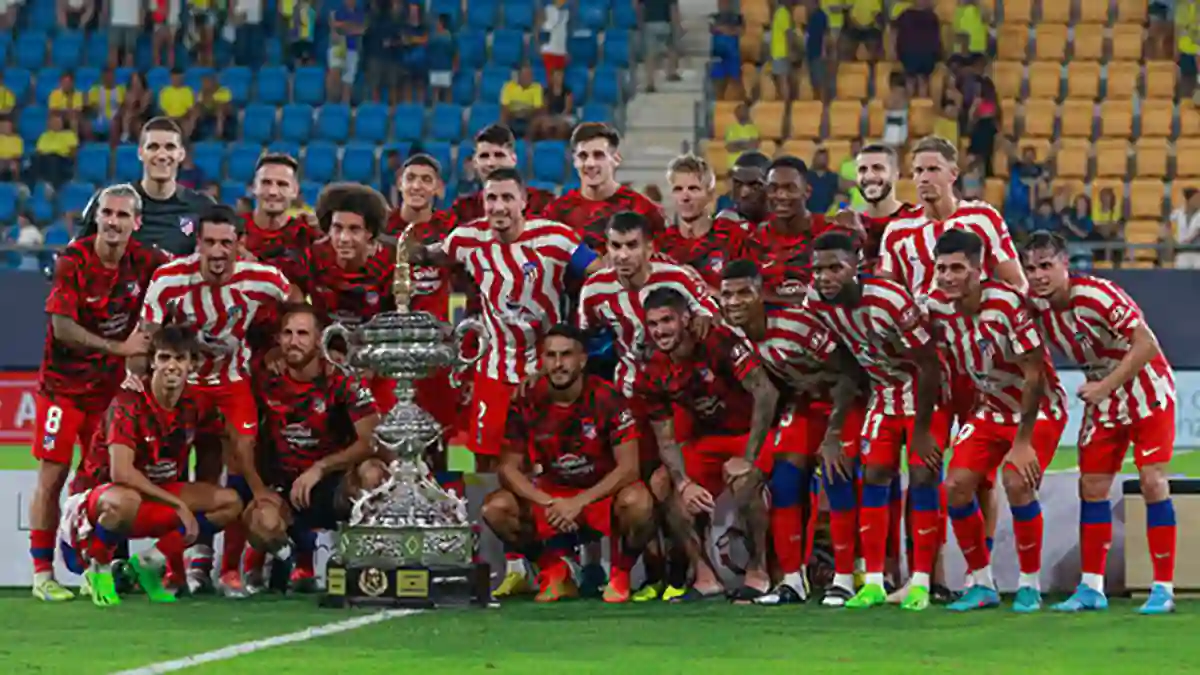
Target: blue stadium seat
86 77
124 75
358 162
238 80
465 151
128 168
42 16
309 191
66 51
508 47
241 160
571 183
549 161
491 82
287 148
272 85
606 87
596 112
274 51
209 157
96 49
296 122
92 162
616 48
309 85
333 122
45 82
40 204
483 14
442 151
157 78
451 8
522 155
446 122
482 114
408 122
403 149
624 15
583 50
231 191
17 81
9 196
57 235
194 77
258 123
462 87
5 46
74 196
576 78
519 14
320 161
593 14
31 123
29 50
472 49
371 122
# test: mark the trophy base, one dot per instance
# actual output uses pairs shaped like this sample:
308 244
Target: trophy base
407 587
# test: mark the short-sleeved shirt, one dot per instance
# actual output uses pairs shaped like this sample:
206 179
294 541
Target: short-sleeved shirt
589 217
106 101
347 296
167 223
352 16
864 13
431 284
62 143
176 101
60 100
11 147
222 96
161 438
520 98
781 28
657 11
824 187
815 31
441 52
7 100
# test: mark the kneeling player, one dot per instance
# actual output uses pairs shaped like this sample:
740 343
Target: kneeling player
319 424
580 430
987 334
137 461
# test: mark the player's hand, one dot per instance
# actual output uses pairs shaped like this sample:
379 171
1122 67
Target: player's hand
849 220
137 344
927 450
245 254
1024 461
266 495
696 499
191 528
274 361
736 467
1094 393
833 459
527 384
562 514
701 324
133 382
301 494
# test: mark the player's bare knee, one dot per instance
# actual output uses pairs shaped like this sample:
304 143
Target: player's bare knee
1018 491
749 489
117 507
371 473
633 504
661 485
227 506
923 476
266 522
1154 483
1094 487
501 511
878 475
960 487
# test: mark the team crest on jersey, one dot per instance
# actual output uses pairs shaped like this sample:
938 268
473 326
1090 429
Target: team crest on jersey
717 263
48 441
706 375
133 288
1118 313
530 270
187 224
319 406
372 298
589 430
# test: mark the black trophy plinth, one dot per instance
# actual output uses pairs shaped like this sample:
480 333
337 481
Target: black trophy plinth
407 587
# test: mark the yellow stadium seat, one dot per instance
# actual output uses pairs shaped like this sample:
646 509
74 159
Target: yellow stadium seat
1018 11
838 152
1093 11
1189 120
750 79
1150 158
1039 116
1122 79
1116 118
994 191
1146 198
1158 116
1187 158
1077 117
1160 79
1127 42
1143 233
798 147
920 117
1071 162
1050 42
883 76
768 117
1083 80
1008 76
1131 12
875 118
1112 158
1055 11
1008 116
1045 80
1012 43
768 148
845 119
852 81
717 156
906 191
723 117
1102 264
806 119
1071 186
1088 43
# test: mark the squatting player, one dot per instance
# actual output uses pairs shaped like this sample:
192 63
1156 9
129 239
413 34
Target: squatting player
132 485
718 383
821 384
580 430
1130 399
99 281
881 324
988 335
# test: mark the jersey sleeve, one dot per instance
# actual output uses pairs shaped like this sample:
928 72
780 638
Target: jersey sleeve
998 240
815 337
64 293
455 244
654 214
357 399
154 308
585 319
621 426
742 358
909 323
889 263
1011 322
1107 310
516 426
651 388
122 427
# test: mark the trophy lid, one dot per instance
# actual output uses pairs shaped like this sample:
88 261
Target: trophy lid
403 326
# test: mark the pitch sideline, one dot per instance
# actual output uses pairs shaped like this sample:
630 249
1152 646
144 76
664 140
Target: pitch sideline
243 648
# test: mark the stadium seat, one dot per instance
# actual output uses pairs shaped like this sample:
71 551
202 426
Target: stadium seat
1018 12
333 122
29 50
1008 76
492 81
1144 233
481 115
157 78
1072 160
1083 80
606 86
593 14
309 85
1112 158
194 77
209 157
40 205
596 112
31 123
74 196
66 51
309 191
462 87
446 122
242 157
578 80
92 162
1088 44
273 86
845 120
296 122
1045 80
583 50
483 15
408 122
9 197
549 161
1121 79
238 80
852 80
1012 43
1091 11
472 48
231 191
1151 157
285 148
624 15
1127 42
44 82
1146 198
508 47
442 151
519 14
1077 118
358 162
804 120
96 50
127 167
1050 42
1116 118
920 117
258 123
1157 118
86 77
451 8
320 161
17 80
523 154
371 122
617 50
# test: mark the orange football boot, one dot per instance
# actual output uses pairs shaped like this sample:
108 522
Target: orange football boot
617 590
555 583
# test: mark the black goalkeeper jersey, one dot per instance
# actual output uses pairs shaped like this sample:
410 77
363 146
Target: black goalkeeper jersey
168 223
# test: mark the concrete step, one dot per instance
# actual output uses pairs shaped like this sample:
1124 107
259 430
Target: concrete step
662 110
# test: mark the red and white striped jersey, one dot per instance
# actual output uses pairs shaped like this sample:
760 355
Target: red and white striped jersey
605 302
220 313
906 253
1095 329
796 348
522 285
882 331
987 347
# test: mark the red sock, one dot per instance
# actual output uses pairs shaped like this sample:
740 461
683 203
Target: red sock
41 549
253 559
969 531
171 545
1095 536
843 531
622 558
102 544
787 535
873 527
153 520
810 525
235 544
550 560
896 534
1160 537
1028 527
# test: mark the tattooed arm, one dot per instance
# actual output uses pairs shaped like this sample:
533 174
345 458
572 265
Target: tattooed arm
766 401
669 450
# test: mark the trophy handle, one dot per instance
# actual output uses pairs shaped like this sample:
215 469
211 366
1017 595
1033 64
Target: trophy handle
461 363
327 336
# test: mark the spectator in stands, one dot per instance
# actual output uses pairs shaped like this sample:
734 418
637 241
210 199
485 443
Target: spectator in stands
864 26
54 158
443 60
249 37
104 107
202 19
212 109
743 135
823 184
1078 228
652 193
660 27
556 17
67 101
971 180
946 124
726 72
163 23
178 101
29 235
12 149
782 46
135 109
383 51
302 31
389 177
416 52
559 117
918 45
984 123
971 27
347 23
818 48
521 100
1183 229
848 172
1187 27
190 175
77 14
1045 219
9 9
1109 219
895 112
1025 172
125 25
8 101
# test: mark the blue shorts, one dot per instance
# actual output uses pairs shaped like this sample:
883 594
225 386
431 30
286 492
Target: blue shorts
725 69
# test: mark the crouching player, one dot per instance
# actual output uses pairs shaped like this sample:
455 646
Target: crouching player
132 480
988 334
581 432
318 425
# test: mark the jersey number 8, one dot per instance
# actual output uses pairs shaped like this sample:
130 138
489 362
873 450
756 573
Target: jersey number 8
53 419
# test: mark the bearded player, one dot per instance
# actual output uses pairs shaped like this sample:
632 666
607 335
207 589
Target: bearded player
134 477
882 325
496 148
878 169
719 385
596 155
1129 399
99 282
580 430
318 424
821 414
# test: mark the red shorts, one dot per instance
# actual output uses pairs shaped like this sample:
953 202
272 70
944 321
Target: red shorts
233 403
58 426
1102 449
801 430
437 396
154 527
594 518
554 62
981 445
704 460
490 401
963 395
883 436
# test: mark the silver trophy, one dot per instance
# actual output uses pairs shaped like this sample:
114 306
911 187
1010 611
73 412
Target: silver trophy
409 541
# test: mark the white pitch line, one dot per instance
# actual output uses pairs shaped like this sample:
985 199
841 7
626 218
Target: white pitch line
1128 461
241 649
